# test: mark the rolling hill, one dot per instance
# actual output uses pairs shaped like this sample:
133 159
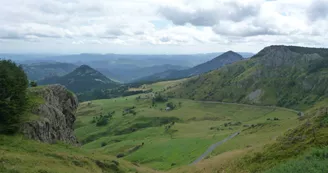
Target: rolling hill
39 71
126 74
226 58
82 79
287 76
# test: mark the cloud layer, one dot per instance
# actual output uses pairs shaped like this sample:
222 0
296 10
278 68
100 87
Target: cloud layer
160 26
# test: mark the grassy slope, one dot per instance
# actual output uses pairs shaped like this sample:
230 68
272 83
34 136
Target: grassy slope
26 156
300 149
315 161
283 76
201 124
18 154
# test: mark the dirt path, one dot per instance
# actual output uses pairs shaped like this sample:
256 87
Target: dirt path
212 147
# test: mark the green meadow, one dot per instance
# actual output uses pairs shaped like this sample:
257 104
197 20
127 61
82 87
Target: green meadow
162 140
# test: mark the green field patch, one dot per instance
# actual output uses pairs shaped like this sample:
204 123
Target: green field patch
163 139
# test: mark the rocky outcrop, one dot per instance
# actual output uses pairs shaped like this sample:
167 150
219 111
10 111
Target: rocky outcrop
56 116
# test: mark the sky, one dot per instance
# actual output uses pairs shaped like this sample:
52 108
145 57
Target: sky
160 26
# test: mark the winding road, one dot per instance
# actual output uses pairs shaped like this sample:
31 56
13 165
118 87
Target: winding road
212 147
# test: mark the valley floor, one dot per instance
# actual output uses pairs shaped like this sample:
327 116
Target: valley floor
166 140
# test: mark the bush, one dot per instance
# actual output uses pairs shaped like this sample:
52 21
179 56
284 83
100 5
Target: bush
171 105
13 98
130 110
103 144
33 84
159 98
102 121
120 155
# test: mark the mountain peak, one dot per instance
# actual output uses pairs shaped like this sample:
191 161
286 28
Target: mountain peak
86 67
87 70
229 55
295 49
83 78
230 52
279 55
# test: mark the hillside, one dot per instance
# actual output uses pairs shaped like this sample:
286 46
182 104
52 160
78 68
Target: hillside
141 130
287 76
53 148
224 59
82 79
128 73
39 71
20 155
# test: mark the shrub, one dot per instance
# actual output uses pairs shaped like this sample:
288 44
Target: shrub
115 162
171 105
129 110
13 98
33 84
103 144
120 155
102 121
159 98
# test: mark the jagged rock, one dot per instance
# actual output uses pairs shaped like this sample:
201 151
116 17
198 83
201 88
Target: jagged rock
56 116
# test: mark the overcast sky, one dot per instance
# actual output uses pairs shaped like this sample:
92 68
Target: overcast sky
159 26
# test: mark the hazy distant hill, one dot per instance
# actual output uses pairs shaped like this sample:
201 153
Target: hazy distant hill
286 76
109 60
226 58
82 79
42 70
139 60
130 74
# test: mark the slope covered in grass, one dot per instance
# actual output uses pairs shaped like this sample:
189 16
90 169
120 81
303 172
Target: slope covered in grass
315 162
286 76
143 137
26 156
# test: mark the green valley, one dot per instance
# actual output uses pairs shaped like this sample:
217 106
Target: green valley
263 114
143 138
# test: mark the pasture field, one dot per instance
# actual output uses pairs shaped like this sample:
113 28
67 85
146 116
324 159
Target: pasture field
162 140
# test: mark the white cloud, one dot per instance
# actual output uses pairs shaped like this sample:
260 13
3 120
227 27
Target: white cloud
220 10
125 26
318 10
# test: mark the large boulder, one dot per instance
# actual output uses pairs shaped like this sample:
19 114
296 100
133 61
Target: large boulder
56 116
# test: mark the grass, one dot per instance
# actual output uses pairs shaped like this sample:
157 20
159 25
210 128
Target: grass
160 86
197 126
312 132
26 156
314 161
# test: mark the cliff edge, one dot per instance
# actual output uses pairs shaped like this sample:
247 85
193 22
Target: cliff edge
56 116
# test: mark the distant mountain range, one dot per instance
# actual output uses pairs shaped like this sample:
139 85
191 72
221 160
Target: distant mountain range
226 58
109 60
131 74
118 67
286 76
38 71
82 79
123 74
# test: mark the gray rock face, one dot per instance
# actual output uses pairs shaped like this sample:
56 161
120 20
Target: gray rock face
255 96
57 116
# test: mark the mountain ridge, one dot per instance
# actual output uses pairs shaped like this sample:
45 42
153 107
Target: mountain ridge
219 61
83 78
41 70
286 76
